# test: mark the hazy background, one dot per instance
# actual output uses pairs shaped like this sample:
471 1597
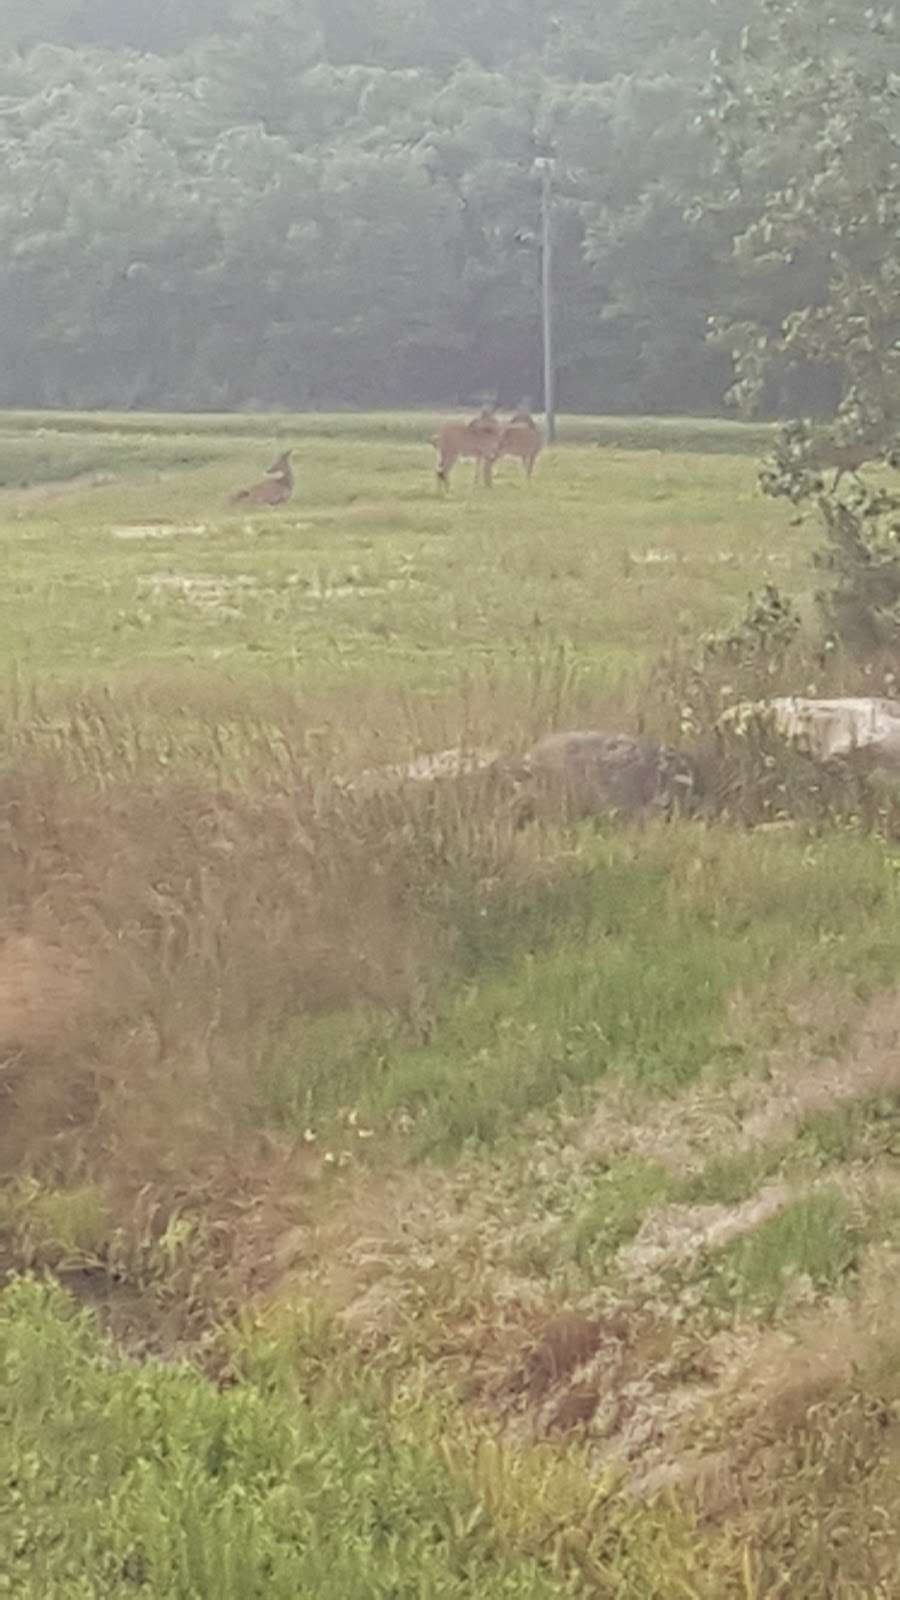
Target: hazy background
311 203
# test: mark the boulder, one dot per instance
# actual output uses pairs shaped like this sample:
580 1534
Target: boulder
592 772
828 729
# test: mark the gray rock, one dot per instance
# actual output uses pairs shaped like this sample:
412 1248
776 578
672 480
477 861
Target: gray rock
863 726
585 774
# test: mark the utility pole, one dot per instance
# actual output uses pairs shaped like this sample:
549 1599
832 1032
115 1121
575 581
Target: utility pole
545 168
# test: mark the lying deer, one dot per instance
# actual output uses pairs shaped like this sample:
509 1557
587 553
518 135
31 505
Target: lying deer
477 441
272 490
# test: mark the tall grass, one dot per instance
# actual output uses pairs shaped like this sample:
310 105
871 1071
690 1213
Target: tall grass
205 935
255 992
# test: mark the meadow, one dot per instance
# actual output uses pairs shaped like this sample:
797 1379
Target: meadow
397 1201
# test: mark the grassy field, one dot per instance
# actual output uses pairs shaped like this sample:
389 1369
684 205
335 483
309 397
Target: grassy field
369 573
495 1211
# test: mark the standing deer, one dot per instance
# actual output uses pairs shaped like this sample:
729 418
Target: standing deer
477 440
846 458
272 490
523 438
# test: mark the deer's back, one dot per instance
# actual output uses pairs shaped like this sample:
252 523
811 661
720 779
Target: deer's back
468 438
270 493
520 439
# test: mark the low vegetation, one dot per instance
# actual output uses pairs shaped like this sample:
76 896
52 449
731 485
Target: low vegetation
436 1205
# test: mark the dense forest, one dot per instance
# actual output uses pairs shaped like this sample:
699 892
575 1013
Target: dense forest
310 203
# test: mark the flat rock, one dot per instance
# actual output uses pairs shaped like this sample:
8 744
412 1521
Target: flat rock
828 729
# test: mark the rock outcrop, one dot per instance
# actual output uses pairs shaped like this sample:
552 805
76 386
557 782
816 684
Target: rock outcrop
827 729
587 773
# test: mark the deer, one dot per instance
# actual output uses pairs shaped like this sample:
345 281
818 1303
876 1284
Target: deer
272 490
876 442
477 440
523 438
846 459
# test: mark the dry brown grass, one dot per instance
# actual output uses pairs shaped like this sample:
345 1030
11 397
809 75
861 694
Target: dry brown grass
156 932
179 885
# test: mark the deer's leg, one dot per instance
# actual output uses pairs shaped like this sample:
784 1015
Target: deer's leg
488 470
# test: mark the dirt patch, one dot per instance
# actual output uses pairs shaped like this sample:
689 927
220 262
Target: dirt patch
214 596
870 1066
436 1263
769 1385
186 1255
46 995
721 1120
678 1234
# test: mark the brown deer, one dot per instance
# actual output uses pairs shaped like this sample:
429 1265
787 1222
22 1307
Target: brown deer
477 440
272 490
523 438
876 444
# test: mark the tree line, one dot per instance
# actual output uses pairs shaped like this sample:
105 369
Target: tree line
314 203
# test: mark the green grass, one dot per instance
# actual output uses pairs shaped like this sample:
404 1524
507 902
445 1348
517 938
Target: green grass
726 1180
629 974
816 1237
249 1009
122 1478
368 570
612 1211
864 1129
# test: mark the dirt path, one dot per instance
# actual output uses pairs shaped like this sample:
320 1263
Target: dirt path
439 1263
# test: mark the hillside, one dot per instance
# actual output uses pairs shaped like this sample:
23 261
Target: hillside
468 1209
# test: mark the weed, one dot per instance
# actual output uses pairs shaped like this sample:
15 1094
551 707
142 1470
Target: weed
867 1128
250 977
816 1238
729 1179
175 1486
613 1208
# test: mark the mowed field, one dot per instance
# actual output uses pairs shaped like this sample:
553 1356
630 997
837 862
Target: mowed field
368 572
441 1208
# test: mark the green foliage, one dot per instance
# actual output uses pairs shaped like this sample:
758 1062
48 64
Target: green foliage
859 601
640 991
121 1476
726 1180
804 124
861 561
804 118
816 1238
865 1129
769 626
612 1210
299 204
60 1229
